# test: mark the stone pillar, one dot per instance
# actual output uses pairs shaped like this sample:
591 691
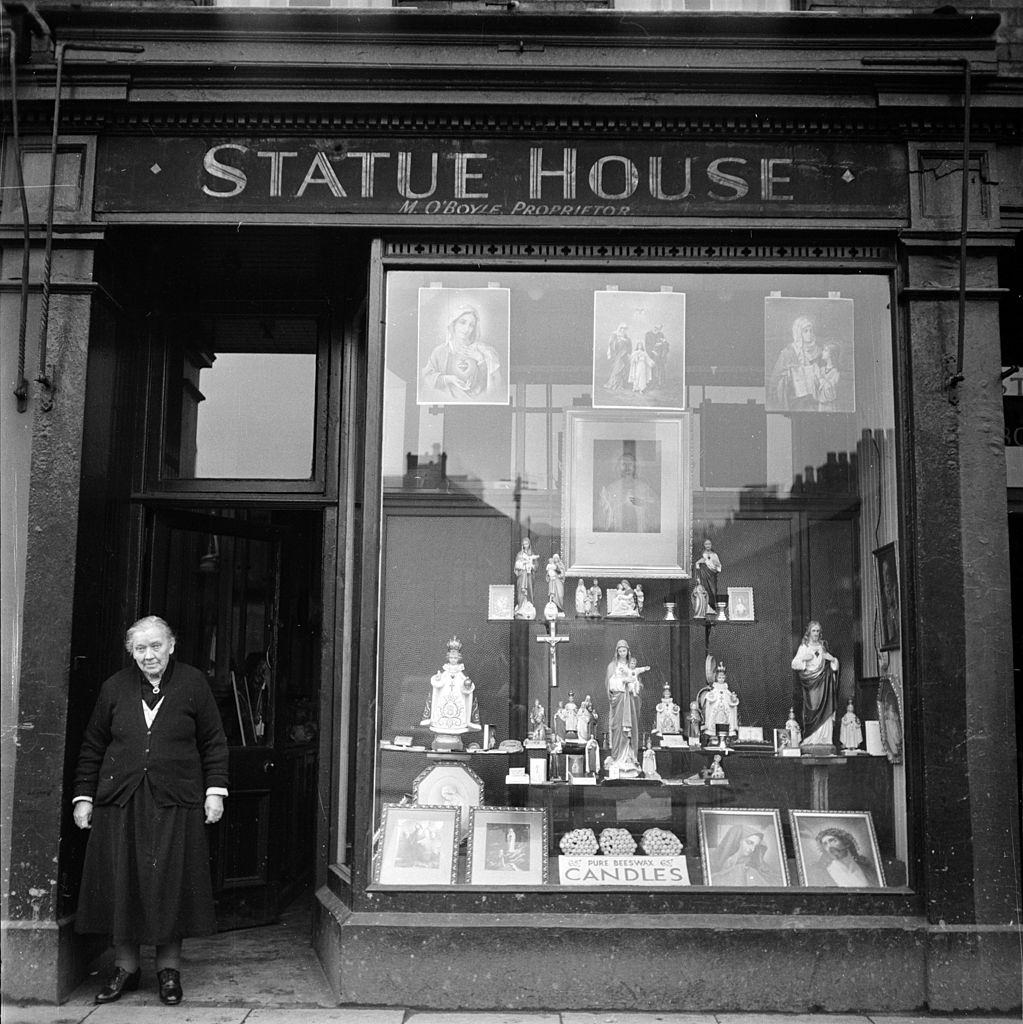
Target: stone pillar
961 707
43 474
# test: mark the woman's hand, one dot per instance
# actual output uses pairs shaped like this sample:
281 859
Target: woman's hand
214 809
83 814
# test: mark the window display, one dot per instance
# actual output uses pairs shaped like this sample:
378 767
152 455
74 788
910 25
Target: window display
585 478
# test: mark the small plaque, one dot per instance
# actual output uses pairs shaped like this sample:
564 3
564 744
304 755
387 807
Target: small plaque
403 741
502 601
751 734
676 740
791 752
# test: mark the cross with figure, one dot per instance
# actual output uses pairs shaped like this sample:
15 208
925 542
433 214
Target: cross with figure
552 639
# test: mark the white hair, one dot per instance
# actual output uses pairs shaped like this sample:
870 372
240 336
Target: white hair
146 622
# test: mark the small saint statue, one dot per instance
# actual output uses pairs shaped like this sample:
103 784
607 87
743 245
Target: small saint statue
720 706
525 566
538 722
708 568
555 587
451 710
586 720
792 730
622 602
639 597
593 596
717 769
693 721
666 722
568 715
851 732
699 601
581 597
650 764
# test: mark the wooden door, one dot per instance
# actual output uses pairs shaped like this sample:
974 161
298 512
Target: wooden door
217 580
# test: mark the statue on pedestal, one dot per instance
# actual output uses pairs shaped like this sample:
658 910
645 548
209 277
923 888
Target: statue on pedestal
451 710
818 679
720 705
525 566
666 722
708 568
851 731
624 694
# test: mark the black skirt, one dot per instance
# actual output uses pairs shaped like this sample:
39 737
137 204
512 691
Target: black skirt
147 873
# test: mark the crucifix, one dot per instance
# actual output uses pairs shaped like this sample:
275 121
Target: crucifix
552 640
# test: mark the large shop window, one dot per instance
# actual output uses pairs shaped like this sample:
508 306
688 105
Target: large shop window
639 583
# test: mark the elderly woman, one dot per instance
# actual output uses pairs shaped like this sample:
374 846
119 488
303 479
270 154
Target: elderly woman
463 366
152 770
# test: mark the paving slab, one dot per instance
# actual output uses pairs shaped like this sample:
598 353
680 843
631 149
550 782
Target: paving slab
616 1017
482 1017
318 1015
43 1014
125 1012
792 1018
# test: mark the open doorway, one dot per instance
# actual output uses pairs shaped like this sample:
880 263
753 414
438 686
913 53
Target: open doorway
241 588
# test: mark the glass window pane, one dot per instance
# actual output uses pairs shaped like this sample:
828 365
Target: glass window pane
692 470
243 408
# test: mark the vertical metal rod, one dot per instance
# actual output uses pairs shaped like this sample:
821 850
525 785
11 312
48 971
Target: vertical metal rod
21 388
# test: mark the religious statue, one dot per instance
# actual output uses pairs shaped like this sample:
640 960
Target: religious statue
720 705
851 731
581 597
650 764
639 597
622 602
792 730
568 715
624 694
538 722
717 769
699 601
693 721
525 566
593 596
556 585
451 710
818 679
666 722
708 567
586 719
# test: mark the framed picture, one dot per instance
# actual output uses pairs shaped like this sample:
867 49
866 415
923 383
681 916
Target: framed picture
502 601
507 846
740 604
450 785
742 847
780 740
809 362
887 568
626 494
889 718
639 350
417 846
464 346
836 849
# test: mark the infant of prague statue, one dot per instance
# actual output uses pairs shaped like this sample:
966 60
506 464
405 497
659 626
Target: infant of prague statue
568 717
666 722
586 719
851 733
794 733
720 705
451 711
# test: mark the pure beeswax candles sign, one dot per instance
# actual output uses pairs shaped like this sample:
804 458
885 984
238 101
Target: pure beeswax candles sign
641 871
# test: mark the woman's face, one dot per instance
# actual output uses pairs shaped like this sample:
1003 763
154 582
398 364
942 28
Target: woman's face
622 652
749 844
151 648
464 327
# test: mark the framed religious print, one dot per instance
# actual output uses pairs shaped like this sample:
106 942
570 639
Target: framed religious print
450 785
416 846
464 346
809 361
887 568
836 849
740 604
639 350
626 494
742 847
507 846
889 717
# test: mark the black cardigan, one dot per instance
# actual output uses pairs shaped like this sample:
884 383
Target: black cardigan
183 754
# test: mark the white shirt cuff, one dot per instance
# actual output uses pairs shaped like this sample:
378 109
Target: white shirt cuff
216 791
81 799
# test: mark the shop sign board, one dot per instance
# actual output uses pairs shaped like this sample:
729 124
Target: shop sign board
647 872
500 178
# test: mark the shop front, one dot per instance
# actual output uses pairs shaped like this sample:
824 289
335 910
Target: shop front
585 505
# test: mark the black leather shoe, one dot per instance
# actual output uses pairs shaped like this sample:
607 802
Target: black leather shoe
118 982
170 986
